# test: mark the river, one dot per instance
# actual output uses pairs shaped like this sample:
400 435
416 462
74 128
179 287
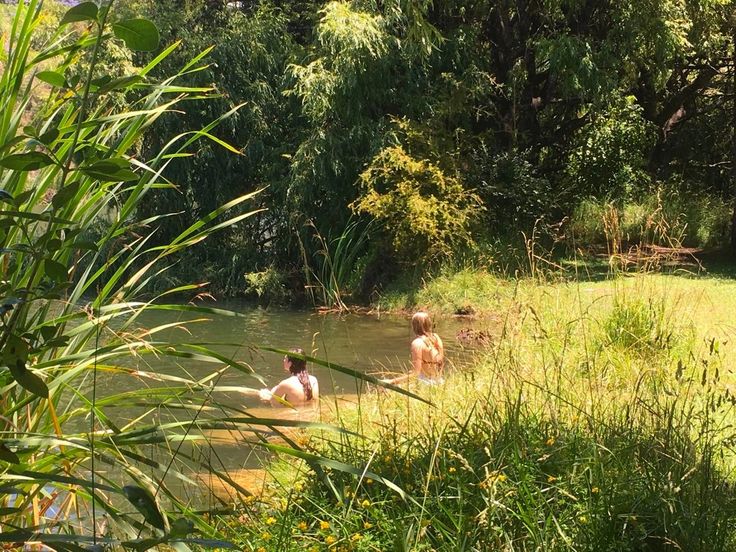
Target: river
371 344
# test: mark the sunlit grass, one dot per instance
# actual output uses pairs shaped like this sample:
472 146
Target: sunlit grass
598 419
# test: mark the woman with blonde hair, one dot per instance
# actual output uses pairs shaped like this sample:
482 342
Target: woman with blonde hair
427 353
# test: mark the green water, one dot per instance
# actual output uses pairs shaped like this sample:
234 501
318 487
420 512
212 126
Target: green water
367 343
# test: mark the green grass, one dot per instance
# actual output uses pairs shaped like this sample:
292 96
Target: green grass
600 419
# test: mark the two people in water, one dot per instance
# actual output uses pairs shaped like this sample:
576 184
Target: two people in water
427 361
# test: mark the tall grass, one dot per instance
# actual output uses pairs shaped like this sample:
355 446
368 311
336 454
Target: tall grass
331 275
82 464
595 421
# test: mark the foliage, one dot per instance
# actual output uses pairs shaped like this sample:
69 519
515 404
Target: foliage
71 306
512 191
268 284
425 212
608 158
537 107
336 262
536 442
639 325
663 217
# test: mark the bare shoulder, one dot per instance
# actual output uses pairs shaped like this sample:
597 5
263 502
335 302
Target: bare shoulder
284 387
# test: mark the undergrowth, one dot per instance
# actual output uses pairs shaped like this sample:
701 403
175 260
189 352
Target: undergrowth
599 418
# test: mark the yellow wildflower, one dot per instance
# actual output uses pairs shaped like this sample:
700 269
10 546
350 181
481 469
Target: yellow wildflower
266 536
369 481
452 470
261 549
551 479
595 490
324 524
583 519
270 520
365 503
549 442
298 487
367 525
330 539
356 537
302 526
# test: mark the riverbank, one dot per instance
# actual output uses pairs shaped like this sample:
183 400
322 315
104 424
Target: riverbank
598 417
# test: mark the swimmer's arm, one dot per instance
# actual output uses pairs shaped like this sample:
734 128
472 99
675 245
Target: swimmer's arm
281 391
416 364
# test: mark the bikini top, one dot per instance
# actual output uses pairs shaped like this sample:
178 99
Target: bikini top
438 359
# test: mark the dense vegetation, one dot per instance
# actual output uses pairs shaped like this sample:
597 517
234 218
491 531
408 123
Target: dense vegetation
339 147
442 130
596 416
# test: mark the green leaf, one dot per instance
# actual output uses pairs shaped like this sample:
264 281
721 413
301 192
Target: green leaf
49 136
34 216
110 164
145 504
28 380
9 511
16 350
49 332
138 34
55 270
5 196
30 161
86 11
8 455
122 82
65 194
53 78
54 244
119 175
11 143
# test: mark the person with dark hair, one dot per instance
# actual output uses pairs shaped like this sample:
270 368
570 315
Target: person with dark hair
299 389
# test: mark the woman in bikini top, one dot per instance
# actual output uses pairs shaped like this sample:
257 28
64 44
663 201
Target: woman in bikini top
427 353
427 350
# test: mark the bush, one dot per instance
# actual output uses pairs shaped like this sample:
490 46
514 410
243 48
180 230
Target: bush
664 217
639 325
424 211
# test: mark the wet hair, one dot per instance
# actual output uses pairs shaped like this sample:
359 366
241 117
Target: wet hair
421 323
298 368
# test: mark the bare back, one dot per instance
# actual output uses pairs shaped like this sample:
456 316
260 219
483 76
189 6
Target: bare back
292 391
428 356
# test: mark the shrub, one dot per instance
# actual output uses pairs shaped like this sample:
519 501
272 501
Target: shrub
424 211
639 325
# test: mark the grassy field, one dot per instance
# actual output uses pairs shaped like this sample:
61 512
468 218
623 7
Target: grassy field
597 416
